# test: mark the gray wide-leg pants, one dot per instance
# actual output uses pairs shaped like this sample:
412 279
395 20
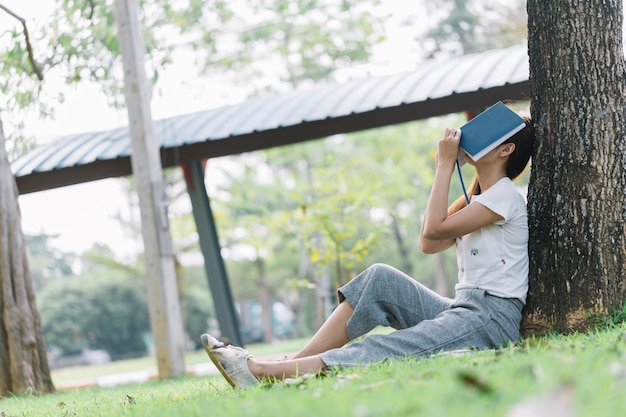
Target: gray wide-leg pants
425 322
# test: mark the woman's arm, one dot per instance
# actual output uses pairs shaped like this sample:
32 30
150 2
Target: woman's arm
429 246
439 230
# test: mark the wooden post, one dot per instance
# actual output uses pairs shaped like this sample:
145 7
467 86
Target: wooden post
165 313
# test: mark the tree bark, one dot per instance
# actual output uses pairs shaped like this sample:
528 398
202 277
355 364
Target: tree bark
265 297
442 279
405 259
577 192
23 359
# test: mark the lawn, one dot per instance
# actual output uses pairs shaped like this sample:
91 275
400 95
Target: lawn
574 375
88 374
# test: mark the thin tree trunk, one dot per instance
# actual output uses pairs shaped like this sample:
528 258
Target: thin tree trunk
442 281
323 295
407 265
266 302
23 359
577 192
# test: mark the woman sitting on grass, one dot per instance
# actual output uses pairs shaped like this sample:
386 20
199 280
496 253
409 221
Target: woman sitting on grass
491 236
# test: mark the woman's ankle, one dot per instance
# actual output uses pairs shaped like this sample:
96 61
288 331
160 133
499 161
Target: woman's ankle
253 366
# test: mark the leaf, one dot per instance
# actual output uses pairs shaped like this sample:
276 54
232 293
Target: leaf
475 382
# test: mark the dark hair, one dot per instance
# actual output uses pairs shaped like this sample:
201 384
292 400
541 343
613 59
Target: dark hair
524 141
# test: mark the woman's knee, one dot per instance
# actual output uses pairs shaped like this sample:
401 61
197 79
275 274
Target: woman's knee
379 270
373 274
375 282
385 276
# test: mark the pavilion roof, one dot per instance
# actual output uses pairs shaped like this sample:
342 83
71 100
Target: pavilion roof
434 88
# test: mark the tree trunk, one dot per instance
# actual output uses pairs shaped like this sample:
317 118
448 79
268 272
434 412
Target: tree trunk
266 302
577 193
442 279
405 259
23 359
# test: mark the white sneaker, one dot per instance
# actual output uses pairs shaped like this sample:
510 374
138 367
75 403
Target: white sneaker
231 361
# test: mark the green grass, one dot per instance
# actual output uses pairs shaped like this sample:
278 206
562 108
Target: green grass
584 373
83 374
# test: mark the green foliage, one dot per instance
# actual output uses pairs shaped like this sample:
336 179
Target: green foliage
196 305
108 313
77 44
110 296
461 27
19 89
343 203
309 40
45 262
368 195
298 41
83 43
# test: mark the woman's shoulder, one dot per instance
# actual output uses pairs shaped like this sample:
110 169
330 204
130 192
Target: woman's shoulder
504 182
503 188
504 198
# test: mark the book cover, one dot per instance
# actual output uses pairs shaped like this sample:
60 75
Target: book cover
489 129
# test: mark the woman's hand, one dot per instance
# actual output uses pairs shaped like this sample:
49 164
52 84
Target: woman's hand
448 148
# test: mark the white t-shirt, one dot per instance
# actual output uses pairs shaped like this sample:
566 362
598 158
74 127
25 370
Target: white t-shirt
495 257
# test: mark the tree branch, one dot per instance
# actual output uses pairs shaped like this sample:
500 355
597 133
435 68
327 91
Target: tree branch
93 8
29 47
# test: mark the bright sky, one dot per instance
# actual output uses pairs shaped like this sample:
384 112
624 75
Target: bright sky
84 214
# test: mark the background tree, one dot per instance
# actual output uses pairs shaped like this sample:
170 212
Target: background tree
577 195
104 306
371 189
23 359
272 45
256 198
46 262
106 312
362 193
464 26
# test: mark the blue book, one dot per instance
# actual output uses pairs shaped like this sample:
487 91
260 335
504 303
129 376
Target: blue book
489 129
